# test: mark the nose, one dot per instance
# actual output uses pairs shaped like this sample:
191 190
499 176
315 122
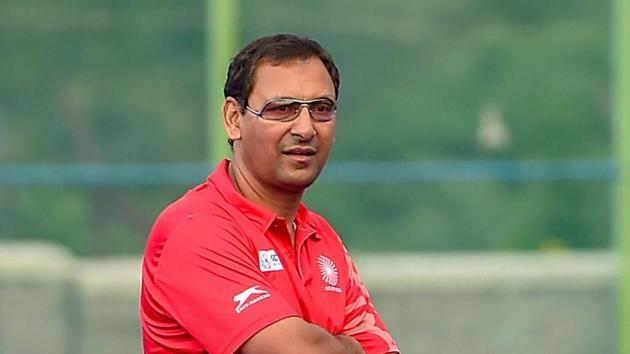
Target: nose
302 125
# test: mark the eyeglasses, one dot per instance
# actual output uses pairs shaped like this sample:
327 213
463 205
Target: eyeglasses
287 109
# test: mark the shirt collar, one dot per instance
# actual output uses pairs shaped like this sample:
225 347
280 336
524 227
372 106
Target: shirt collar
260 216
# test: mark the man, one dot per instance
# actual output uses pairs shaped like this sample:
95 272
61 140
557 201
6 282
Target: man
239 264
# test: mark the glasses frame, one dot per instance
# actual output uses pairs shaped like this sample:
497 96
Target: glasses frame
303 103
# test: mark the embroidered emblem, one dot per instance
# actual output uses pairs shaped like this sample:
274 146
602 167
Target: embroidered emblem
328 269
269 261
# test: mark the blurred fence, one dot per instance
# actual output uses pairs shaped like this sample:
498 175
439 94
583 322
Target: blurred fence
115 186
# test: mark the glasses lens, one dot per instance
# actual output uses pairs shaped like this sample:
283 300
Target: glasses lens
280 110
322 110
286 110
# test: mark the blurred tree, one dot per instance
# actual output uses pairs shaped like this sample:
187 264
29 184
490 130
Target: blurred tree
114 81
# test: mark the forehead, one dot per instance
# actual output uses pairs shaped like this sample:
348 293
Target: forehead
298 78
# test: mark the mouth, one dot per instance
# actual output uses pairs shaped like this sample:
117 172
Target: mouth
298 150
301 154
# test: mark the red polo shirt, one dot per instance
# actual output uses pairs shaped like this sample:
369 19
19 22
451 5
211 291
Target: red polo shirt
218 268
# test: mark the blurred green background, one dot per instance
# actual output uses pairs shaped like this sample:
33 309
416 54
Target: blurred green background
502 108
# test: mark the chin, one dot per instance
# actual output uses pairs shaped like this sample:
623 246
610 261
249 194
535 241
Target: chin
299 186
298 183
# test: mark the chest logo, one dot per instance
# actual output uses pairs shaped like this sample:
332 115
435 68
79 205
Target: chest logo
328 270
269 261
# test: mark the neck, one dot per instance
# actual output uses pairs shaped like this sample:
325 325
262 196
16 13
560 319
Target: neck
285 204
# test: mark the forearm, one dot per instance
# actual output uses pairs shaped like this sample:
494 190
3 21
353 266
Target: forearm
317 340
294 335
349 344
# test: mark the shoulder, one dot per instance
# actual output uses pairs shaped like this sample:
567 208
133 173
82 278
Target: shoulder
202 205
198 219
321 224
327 231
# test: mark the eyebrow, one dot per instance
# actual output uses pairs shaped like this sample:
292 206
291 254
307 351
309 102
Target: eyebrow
294 98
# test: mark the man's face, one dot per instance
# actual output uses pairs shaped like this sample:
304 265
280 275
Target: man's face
286 155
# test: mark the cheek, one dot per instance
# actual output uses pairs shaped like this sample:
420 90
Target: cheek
262 140
327 136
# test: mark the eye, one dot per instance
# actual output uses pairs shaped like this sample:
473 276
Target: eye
323 107
278 107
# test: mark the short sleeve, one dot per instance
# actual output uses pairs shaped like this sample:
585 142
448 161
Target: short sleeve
208 280
361 321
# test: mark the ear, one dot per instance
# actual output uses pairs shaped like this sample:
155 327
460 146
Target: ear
231 111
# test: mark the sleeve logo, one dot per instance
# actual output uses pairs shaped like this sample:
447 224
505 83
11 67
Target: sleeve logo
245 300
269 261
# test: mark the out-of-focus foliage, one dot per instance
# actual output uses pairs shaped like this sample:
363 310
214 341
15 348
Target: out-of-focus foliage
116 81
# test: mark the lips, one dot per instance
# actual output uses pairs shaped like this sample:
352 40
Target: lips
301 151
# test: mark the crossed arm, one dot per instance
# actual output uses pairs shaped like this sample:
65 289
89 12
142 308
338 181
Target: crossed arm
294 335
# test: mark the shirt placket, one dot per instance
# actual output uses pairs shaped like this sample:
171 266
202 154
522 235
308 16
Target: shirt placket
282 239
